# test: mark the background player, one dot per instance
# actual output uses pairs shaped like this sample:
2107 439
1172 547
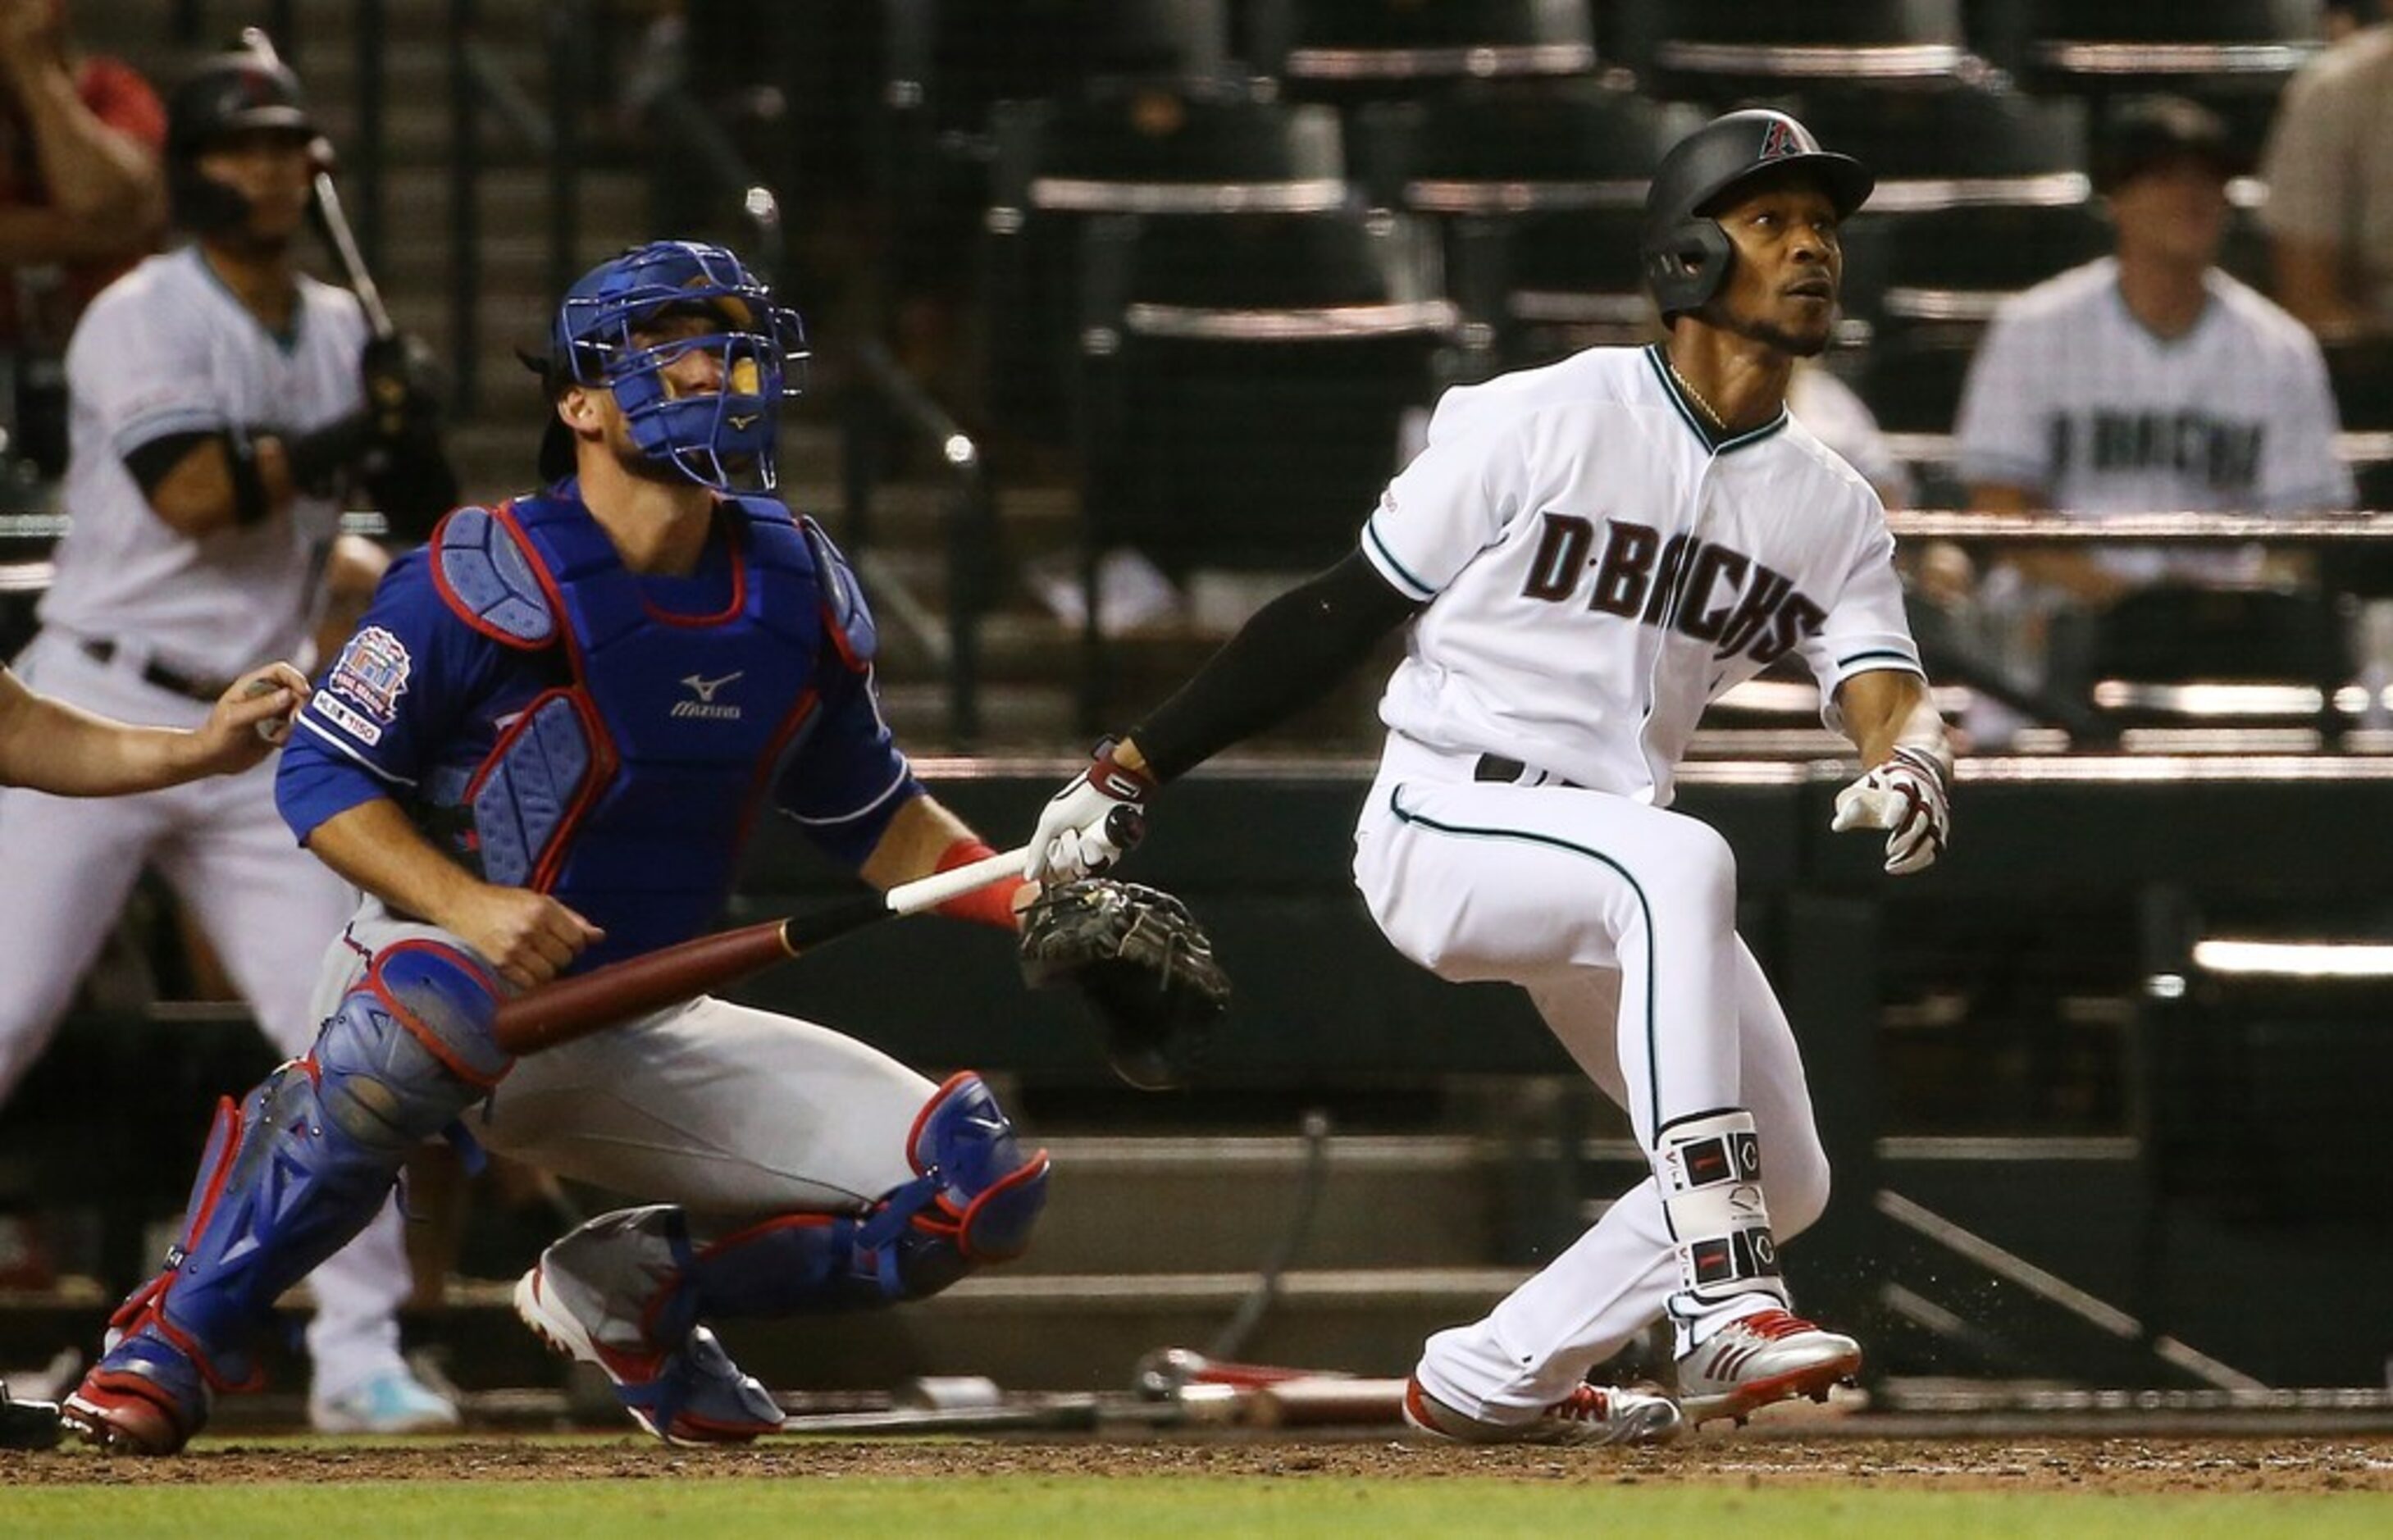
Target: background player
542 751
1590 552
218 415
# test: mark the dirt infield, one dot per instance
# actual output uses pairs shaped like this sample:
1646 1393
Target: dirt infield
2058 1464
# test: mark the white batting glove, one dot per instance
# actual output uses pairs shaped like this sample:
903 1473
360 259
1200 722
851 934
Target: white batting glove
1100 814
1909 797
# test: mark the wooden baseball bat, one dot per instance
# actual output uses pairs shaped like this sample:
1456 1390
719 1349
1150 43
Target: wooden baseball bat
620 992
352 261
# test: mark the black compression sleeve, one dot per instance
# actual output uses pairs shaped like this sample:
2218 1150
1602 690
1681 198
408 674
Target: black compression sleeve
150 462
1289 655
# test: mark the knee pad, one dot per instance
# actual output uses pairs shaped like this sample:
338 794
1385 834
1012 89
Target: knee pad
974 1200
300 1165
1710 1169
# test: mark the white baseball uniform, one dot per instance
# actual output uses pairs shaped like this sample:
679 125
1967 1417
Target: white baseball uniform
1597 566
144 623
2070 395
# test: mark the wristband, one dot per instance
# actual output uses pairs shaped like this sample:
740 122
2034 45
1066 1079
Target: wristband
250 504
990 906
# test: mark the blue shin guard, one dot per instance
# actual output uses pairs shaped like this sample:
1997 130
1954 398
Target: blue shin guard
290 1176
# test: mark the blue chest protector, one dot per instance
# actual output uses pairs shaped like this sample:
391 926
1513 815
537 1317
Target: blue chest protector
626 792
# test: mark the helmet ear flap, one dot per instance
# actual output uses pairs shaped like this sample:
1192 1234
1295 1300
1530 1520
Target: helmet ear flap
1689 265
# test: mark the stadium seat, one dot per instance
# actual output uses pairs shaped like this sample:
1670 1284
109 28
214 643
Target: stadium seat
1514 149
2160 654
1543 285
1354 50
1171 150
1720 49
1244 384
1951 142
2234 56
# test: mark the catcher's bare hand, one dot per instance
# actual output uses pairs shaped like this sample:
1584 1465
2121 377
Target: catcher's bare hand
250 719
1910 797
528 938
1088 824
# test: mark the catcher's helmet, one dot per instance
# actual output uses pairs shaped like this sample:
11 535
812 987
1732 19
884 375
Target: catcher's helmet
229 93
1685 253
715 439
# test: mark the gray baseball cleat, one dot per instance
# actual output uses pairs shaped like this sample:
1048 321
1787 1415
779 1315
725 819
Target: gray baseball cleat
690 1393
1755 1360
1590 1413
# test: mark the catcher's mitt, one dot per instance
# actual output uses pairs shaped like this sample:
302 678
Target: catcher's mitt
1142 963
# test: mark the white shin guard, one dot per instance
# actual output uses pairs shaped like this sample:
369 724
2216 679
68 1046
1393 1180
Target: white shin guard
1710 1169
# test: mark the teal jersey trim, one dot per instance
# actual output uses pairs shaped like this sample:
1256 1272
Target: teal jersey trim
1420 589
1653 1039
1716 443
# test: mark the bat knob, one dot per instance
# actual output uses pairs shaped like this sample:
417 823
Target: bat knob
1125 826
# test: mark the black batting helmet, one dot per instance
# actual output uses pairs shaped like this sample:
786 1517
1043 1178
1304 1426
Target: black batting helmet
229 93
1685 253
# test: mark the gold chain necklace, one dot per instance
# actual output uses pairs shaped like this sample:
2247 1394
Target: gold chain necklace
1717 423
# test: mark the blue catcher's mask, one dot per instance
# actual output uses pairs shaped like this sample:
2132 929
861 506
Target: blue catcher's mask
606 338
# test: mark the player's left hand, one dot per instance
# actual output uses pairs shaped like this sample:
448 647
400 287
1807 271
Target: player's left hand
1089 824
402 390
252 718
1910 797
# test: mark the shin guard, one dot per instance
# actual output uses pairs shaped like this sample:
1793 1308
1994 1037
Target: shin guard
638 1282
1710 1169
298 1169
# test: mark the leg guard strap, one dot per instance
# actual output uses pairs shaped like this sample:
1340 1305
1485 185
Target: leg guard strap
1710 1167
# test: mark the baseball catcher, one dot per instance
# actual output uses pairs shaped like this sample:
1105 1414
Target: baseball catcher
1143 966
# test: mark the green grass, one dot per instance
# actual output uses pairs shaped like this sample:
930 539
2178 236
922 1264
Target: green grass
1057 1507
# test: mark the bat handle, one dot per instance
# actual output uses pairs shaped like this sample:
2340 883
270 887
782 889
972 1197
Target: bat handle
929 893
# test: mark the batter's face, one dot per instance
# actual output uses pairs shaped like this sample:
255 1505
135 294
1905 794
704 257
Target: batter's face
271 168
1781 288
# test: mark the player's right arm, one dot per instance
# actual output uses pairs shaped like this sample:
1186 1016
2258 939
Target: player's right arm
400 689
528 938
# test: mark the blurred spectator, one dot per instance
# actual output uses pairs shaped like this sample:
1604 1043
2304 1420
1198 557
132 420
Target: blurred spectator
2144 381
2329 166
81 196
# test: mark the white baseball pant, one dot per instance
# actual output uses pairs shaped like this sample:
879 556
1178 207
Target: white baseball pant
1620 920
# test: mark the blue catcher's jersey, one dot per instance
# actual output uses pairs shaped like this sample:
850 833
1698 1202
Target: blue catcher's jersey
562 723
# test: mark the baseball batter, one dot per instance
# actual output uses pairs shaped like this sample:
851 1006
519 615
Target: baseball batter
1588 553
217 416
542 750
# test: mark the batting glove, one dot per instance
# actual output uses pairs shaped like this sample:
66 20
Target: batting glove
1099 814
1910 797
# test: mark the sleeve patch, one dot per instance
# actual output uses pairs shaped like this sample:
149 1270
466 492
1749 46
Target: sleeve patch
372 673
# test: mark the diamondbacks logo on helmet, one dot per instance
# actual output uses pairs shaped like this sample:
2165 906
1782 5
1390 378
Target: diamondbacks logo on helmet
1784 139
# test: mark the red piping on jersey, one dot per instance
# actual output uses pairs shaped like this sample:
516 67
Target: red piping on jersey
457 605
768 763
734 536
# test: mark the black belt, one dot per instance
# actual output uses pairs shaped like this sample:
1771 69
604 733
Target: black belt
1512 772
102 649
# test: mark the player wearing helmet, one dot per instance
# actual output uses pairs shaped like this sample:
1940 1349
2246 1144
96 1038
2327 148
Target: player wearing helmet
218 423
1586 555
542 750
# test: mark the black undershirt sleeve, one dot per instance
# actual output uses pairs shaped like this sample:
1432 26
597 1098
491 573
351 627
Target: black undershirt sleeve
150 462
1289 655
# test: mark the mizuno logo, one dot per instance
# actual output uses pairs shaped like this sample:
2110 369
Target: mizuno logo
705 706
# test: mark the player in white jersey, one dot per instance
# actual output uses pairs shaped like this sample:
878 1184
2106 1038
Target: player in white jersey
1589 553
2150 381
217 417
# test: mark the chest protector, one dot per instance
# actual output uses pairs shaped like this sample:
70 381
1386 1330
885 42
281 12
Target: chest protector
627 791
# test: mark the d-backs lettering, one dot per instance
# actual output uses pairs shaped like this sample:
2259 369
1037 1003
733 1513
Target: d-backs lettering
1641 576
